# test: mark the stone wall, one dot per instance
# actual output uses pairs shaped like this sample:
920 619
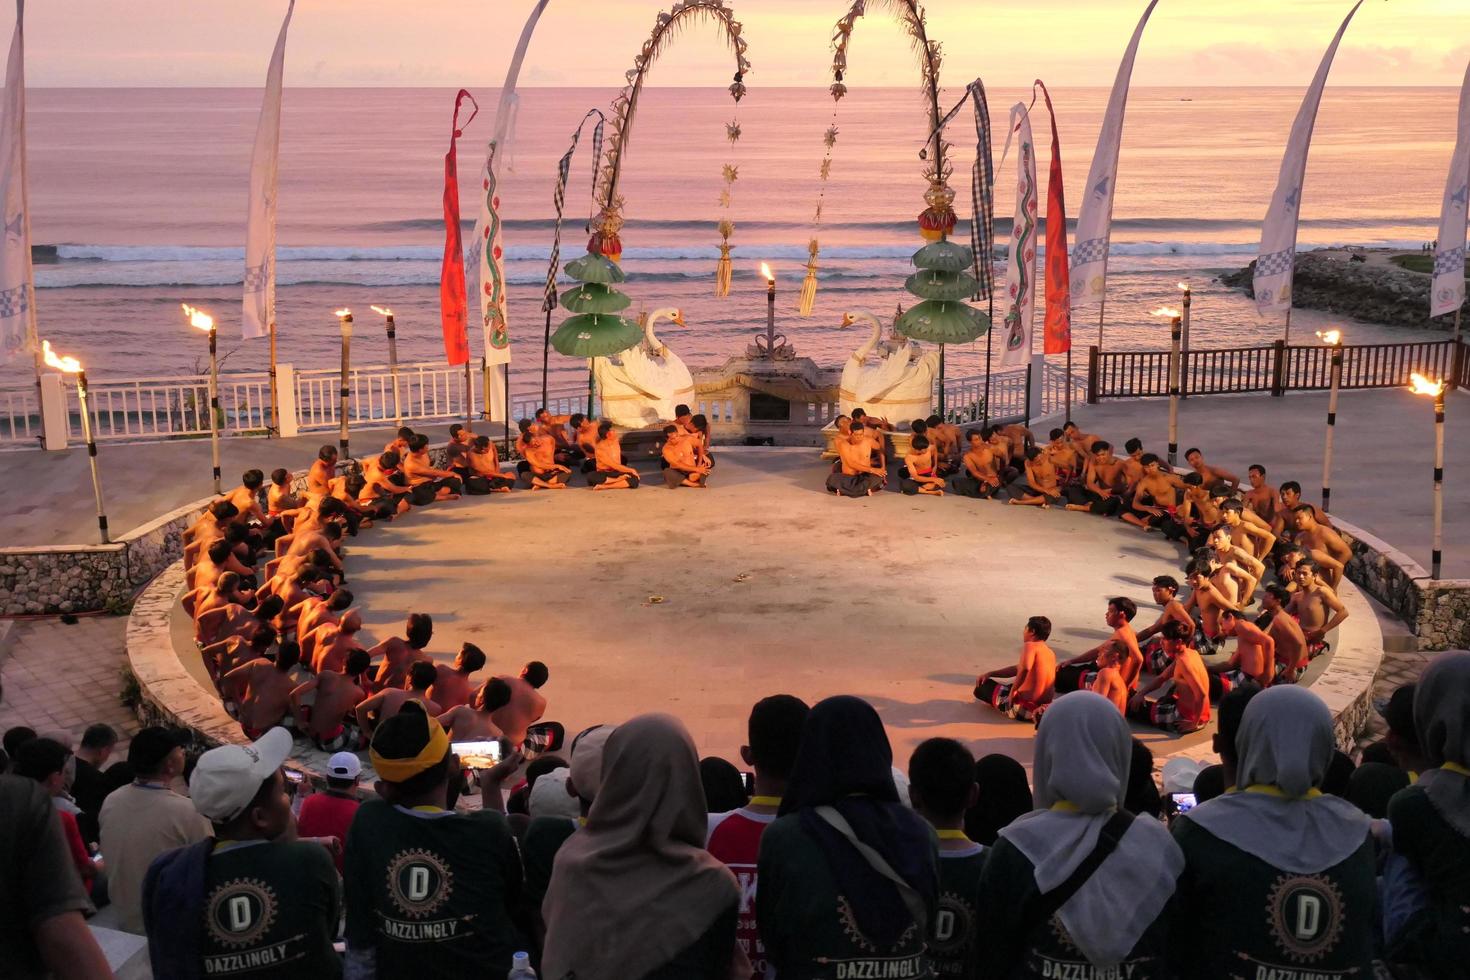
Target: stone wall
1437 611
1373 291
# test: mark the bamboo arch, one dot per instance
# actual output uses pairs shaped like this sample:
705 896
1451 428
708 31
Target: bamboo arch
625 107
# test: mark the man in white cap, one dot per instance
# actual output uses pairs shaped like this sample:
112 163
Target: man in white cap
329 814
244 902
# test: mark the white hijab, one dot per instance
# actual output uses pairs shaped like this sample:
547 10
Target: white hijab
1442 719
1285 743
1083 751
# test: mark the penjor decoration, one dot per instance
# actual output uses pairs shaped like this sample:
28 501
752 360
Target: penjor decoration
724 270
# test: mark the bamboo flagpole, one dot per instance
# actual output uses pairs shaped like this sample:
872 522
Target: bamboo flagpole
258 306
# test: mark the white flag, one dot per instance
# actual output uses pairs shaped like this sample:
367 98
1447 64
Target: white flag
17 288
1095 217
1448 294
260 221
1278 235
1021 267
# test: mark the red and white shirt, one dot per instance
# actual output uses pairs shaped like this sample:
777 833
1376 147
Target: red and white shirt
735 838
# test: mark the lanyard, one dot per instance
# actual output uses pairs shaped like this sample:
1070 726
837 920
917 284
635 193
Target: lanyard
764 801
1279 793
953 835
1455 767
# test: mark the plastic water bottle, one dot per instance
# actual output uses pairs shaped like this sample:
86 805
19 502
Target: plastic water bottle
520 968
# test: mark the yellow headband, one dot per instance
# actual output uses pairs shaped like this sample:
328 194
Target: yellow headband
398 770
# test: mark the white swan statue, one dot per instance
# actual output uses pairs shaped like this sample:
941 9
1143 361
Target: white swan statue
645 382
893 388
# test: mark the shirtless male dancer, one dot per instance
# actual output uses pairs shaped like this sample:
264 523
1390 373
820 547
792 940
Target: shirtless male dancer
451 686
856 474
1290 496
979 476
683 469
1186 708
1316 607
922 466
609 472
330 723
333 643
1291 643
554 427
1166 594
1322 543
1208 474
1040 488
1108 681
546 473
516 703
945 438
401 653
1254 658
1066 458
471 721
321 472
1261 498
429 483
1103 488
1076 674
1155 497
375 709
262 690
1033 677
1247 529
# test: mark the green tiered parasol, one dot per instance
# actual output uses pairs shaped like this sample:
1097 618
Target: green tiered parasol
595 330
942 284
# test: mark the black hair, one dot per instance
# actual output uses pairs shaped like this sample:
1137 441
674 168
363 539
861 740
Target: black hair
1124 605
1032 452
288 655
1190 452
389 460
723 788
1005 794
1257 467
280 476
774 733
357 661
941 772
920 443
1303 508
1221 489
701 423
1148 459
1310 564
603 428
934 420
1040 627
252 479
150 748
919 427
340 600
39 758
974 434
670 429
218 550
578 418
327 453
422 674
223 510
1194 479
1056 434
1229 712
420 630
472 656
99 736
1280 592
270 607
332 531
1232 507
15 737
1101 445
680 411
1292 486
495 694
418 443
1378 752
265 635
858 413
987 432
524 425
236 534
1177 631
535 673
1069 425
1166 582
1142 794
1133 445
481 443
1209 783
331 507
404 432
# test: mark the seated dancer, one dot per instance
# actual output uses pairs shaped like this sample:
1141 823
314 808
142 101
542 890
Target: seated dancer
227 589
1133 462
584 437
945 439
293 590
1019 437
1261 498
1254 658
233 619
451 686
305 540
609 472
1102 488
1316 607
702 435
856 474
1108 681
400 441
1322 543
222 657
917 428
1243 568
1082 440
401 653
1291 643
1040 488
461 435
471 721
541 455
684 468
316 611
1284 526
1208 599
333 643
1197 511
554 427
322 470
516 703
483 462
1066 458
1151 643
1208 474
1155 498
427 481
873 429
383 490
1034 674
1011 464
281 503
246 498
328 718
1077 673
1186 708
922 469
375 709
260 692
1247 530
978 476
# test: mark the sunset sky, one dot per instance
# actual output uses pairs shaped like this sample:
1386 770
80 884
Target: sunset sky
592 42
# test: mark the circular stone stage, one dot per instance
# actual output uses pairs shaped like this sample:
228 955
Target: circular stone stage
700 602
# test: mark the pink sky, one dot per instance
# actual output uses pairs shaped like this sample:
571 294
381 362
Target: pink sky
592 42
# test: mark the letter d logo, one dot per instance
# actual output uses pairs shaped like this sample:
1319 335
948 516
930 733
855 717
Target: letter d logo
418 883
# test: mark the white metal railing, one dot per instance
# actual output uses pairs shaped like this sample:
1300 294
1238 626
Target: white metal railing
965 398
156 408
426 390
20 416
558 401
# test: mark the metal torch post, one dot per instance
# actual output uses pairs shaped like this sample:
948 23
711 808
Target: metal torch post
771 318
275 426
1176 329
1436 553
343 390
393 371
214 404
1184 341
1331 426
92 456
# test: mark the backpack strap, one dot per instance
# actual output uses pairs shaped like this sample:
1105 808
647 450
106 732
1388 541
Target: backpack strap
912 900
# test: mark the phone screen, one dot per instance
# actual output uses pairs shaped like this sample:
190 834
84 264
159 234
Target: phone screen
1184 802
748 778
477 755
294 775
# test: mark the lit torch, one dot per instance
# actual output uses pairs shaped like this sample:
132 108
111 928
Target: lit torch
70 365
770 278
1183 287
1176 328
387 314
1333 339
344 318
203 321
1435 389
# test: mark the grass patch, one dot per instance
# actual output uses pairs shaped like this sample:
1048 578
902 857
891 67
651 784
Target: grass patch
1421 262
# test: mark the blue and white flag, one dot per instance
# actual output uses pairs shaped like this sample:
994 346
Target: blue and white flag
1274 261
1095 218
1448 294
17 287
259 308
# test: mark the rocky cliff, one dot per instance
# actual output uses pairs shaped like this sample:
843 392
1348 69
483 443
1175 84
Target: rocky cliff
1375 290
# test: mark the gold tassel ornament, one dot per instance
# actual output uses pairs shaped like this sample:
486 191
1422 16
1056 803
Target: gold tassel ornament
809 284
723 268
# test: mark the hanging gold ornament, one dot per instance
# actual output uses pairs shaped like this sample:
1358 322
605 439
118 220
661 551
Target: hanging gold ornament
809 284
724 270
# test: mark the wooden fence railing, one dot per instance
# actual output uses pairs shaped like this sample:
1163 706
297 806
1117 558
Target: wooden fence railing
1277 368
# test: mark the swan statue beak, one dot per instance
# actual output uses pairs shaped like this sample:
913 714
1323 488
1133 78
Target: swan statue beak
847 320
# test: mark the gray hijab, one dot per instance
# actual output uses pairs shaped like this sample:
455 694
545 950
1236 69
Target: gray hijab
1442 719
1082 755
1285 741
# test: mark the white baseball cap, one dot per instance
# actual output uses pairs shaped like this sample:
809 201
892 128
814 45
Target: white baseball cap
227 778
344 765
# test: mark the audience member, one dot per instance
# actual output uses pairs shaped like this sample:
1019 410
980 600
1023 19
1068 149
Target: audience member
1403 735
1079 886
89 783
550 799
47 761
849 879
635 893
1232 709
1372 785
942 782
329 813
545 837
1278 874
1005 794
519 800
1339 774
1142 795
724 788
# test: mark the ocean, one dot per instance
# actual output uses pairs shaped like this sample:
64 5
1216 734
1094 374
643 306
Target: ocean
143 193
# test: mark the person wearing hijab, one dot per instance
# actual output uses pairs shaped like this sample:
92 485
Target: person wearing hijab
1053 900
634 894
849 876
1431 825
1279 877
1005 794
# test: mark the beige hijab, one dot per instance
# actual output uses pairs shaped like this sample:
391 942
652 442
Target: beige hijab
636 887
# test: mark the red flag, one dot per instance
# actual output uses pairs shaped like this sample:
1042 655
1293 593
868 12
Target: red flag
1058 329
453 305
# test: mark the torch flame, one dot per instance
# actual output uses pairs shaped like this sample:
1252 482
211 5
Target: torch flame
1423 386
1330 337
342 313
65 363
766 271
381 310
198 318
1183 285
1167 311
